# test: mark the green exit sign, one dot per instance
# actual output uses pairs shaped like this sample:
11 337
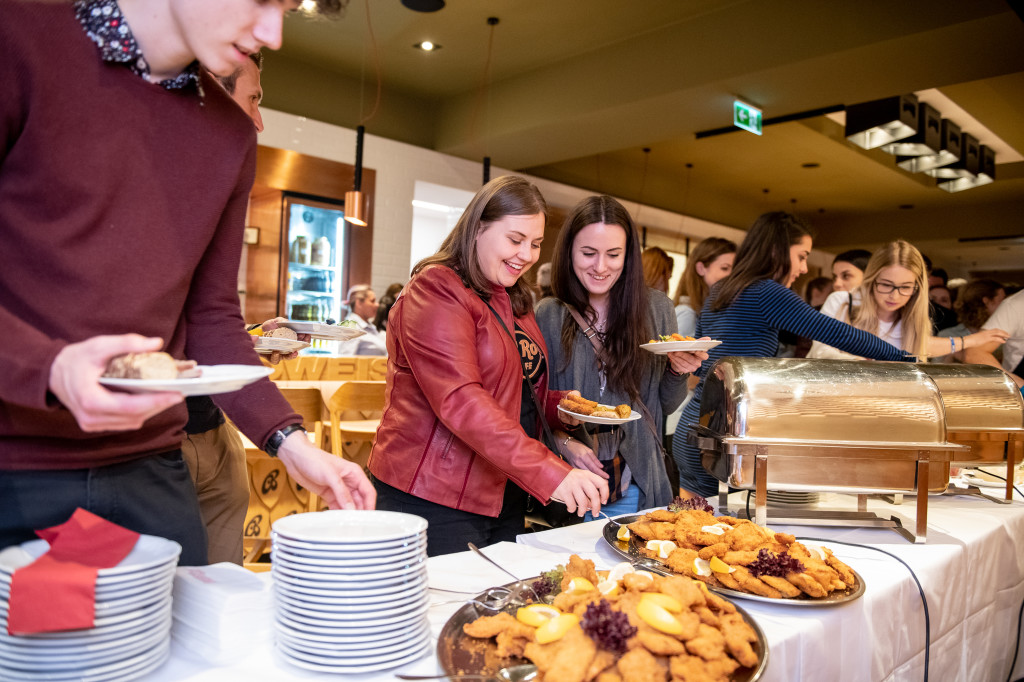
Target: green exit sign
746 117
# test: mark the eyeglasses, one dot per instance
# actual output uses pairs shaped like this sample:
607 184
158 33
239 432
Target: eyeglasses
888 288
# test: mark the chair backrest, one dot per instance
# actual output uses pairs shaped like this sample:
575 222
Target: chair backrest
308 402
361 396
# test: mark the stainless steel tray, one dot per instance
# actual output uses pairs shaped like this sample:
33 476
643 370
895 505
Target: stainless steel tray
630 550
458 653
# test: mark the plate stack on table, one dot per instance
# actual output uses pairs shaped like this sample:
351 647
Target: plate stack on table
131 633
351 590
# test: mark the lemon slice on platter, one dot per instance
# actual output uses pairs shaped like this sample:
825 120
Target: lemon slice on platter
536 615
579 584
719 566
662 547
555 628
658 617
666 602
622 533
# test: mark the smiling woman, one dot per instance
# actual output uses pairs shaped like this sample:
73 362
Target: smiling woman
456 442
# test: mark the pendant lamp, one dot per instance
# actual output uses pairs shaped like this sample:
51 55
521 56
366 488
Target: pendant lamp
355 209
872 124
965 167
948 152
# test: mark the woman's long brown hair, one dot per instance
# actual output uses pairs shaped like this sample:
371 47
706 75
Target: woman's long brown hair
628 323
499 198
692 284
763 254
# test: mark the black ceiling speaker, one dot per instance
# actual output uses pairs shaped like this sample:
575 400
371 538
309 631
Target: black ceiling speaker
424 5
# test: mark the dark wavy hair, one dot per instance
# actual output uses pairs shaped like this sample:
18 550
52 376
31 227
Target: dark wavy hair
499 198
628 323
858 258
763 254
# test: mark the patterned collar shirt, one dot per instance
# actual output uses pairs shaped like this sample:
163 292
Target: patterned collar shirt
105 25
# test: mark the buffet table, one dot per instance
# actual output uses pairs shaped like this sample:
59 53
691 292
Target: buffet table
971 569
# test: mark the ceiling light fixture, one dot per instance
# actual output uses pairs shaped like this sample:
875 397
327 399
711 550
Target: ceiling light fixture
964 167
986 173
355 210
424 5
928 138
427 46
882 121
948 152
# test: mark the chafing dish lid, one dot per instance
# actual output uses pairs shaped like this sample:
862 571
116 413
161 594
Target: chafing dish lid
977 397
841 402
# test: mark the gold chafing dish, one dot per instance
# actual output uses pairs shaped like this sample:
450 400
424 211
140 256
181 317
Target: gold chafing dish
826 425
985 412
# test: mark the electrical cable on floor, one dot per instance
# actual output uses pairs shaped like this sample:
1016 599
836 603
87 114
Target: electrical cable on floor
920 589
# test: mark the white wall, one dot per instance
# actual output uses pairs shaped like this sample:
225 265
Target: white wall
399 166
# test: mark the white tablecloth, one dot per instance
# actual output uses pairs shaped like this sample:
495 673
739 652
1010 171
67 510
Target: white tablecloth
972 571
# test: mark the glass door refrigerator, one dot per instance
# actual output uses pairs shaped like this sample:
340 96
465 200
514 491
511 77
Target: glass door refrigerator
316 249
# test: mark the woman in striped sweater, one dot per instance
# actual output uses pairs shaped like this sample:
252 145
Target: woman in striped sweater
747 309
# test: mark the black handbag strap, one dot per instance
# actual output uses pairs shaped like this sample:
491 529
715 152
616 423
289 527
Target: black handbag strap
595 341
551 442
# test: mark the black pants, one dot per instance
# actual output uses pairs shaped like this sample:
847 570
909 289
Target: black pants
152 495
450 529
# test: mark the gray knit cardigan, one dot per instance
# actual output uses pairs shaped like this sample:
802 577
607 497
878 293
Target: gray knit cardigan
661 391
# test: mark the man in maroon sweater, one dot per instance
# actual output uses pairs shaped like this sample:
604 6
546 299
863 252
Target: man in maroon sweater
124 176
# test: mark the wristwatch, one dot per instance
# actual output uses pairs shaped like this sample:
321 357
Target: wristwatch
276 439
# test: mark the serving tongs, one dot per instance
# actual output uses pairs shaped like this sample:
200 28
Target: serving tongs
513 673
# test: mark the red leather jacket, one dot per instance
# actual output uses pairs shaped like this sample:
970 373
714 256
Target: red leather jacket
450 430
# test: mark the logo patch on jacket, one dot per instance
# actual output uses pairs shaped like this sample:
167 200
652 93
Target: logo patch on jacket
533 360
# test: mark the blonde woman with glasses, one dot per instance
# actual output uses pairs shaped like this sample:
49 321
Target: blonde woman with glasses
893 305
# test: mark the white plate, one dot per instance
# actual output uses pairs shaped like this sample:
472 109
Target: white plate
60 659
340 527
333 573
399 600
317 330
346 658
215 379
103 626
342 629
349 584
353 669
151 553
265 345
342 648
384 616
355 590
316 550
360 636
83 650
353 602
663 347
325 565
125 669
633 416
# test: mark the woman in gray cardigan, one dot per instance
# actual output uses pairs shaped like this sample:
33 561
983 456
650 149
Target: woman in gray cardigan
597 271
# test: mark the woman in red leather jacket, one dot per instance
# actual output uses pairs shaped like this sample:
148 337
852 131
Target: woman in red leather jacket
451 446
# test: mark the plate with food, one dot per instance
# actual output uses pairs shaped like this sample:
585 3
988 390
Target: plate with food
157 372
735 557
343 331
265 345
593 412
677 342
617 623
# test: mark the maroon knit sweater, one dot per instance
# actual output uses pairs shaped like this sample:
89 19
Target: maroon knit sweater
121 210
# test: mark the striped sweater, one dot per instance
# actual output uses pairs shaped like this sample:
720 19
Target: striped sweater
749 327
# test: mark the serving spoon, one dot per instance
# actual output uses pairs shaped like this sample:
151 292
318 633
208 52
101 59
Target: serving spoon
520 586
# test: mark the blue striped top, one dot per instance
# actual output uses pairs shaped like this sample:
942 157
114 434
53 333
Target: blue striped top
749 327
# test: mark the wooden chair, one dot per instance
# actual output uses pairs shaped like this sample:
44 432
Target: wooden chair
272 493
355 410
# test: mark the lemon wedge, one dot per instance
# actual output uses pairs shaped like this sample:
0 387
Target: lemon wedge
701 567
662 547
658 617
701 585
646 574
579 584
719 566
620 570
714 530
622 533
555 628
536 615
664 601
609 588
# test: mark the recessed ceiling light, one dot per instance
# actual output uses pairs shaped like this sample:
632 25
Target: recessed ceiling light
308 6
906 207
810 165
427 46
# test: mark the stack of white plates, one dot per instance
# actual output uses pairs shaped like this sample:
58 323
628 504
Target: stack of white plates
792 497
131 632
351 590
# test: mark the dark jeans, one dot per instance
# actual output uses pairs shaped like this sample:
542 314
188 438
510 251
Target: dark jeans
450 529
152 495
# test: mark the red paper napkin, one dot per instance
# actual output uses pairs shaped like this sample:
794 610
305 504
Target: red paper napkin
58 590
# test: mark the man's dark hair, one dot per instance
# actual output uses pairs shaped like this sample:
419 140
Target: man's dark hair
229 82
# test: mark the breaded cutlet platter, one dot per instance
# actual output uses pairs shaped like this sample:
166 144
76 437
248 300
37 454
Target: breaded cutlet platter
736 557
609 626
